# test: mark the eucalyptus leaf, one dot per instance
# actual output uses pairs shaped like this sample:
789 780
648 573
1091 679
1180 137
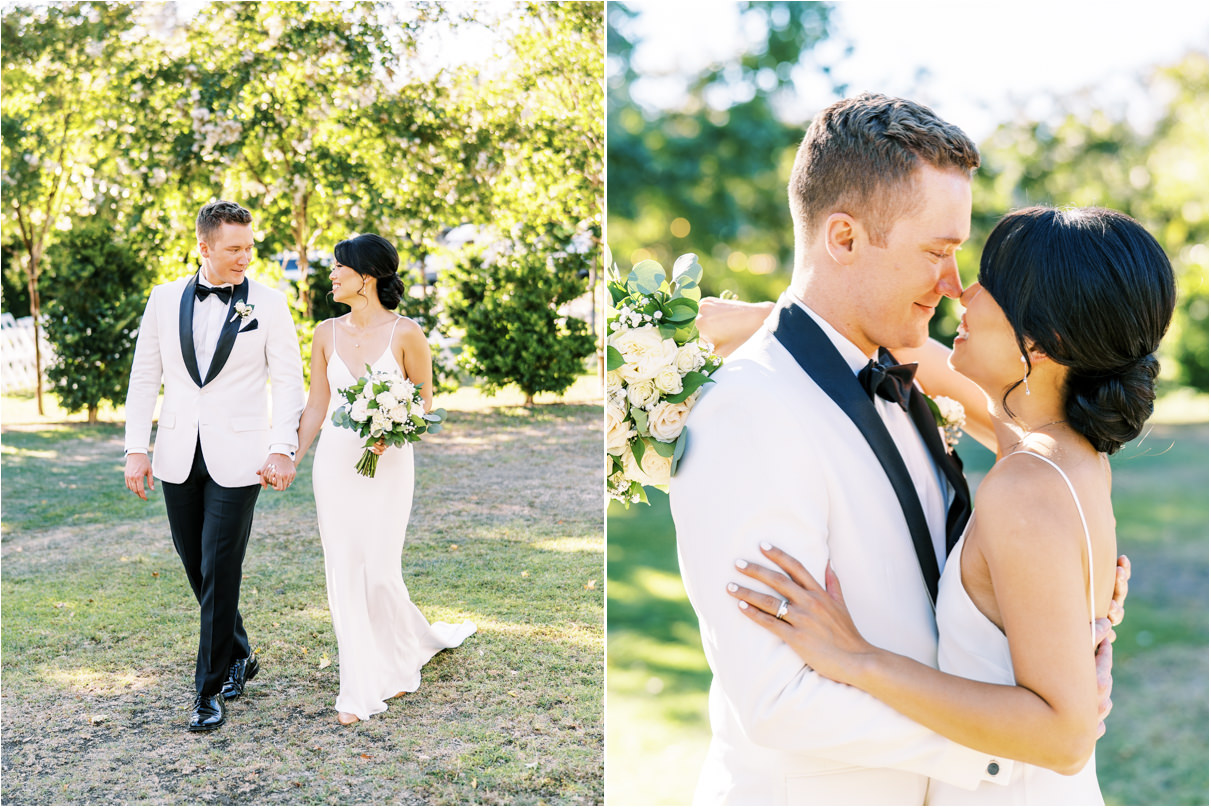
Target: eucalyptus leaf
687 267
646 277
663 449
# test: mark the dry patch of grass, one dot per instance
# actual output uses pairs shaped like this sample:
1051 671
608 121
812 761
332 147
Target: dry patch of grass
100 632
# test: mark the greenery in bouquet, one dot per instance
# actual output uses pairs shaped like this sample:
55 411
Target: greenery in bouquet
656 367
385 406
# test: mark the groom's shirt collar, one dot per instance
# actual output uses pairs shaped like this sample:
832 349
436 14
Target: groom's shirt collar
851 353
204 280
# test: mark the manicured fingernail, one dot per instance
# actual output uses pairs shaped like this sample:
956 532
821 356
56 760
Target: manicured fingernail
743 605
766 546
741 563
732 587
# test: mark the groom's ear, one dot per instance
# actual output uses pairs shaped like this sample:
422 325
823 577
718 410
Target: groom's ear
840 233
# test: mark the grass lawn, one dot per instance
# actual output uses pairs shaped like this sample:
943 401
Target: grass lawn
100 629
1155 750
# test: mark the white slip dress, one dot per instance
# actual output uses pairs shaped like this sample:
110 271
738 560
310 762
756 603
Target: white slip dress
382 638
972 646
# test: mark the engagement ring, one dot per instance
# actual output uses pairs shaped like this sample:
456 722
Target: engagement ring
783 608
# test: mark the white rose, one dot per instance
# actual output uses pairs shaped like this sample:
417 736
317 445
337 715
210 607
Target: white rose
359 412
618 429
614 381
643 394
399 413
385 400
380 422
666 420
668 380
655 469
403 390
645 352
690 357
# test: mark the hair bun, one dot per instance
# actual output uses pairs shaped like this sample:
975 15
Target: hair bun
1110 408
390 291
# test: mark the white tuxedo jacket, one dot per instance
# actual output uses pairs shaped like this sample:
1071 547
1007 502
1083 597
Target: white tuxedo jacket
228 410
770 457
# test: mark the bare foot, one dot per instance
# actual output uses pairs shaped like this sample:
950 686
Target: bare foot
347 718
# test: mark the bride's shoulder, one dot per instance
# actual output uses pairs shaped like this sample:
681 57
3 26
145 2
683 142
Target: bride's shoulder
1024 503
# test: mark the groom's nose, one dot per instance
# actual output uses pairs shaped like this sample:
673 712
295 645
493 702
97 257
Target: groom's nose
949 284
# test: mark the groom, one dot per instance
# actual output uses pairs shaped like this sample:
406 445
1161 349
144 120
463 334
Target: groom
786 448
213 339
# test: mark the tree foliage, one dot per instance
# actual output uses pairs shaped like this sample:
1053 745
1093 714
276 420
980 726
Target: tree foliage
319 117
709 177
92 323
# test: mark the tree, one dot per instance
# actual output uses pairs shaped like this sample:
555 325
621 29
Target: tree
93 327
709 176
57 82
1092 156
509 305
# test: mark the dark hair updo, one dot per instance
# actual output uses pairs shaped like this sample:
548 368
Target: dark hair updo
374 257
1094 291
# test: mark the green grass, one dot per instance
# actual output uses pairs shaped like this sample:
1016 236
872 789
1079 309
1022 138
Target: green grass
100 629
1155 750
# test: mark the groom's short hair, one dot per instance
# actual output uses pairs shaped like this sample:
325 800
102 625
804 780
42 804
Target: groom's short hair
214 214
859 155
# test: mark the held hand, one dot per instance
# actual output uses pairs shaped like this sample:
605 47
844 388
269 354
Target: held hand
1104 660
138 473
1122 574
816 624
278 472
379 446
729 323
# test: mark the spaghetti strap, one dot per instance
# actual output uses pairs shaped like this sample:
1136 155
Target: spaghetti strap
1088 541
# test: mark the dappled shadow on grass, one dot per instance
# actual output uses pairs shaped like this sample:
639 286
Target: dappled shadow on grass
100 633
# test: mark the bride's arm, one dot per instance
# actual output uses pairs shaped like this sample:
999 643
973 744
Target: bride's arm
1034 558
318 397
938 378
412 347
727 324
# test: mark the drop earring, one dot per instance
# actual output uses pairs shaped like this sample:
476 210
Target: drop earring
1025 374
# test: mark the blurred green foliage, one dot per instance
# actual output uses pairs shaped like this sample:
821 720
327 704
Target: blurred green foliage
709 176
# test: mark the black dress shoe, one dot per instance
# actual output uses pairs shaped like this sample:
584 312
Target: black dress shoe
209 712
240 672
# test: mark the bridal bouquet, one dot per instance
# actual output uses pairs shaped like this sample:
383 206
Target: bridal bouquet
384 406
656 366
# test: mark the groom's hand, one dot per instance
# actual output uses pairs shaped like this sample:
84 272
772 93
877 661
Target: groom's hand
1104 637
138 474
278 471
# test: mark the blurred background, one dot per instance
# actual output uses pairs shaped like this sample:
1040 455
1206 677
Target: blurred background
1070 104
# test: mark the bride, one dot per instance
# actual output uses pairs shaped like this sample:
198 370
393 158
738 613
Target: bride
1055 364
382 638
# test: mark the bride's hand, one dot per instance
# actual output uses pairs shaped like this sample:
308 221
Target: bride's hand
816 623
379 447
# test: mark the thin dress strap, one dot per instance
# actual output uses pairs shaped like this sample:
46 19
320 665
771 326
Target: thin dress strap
1088 541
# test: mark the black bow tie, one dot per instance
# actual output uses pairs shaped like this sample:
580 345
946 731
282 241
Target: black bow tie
891 382
222 293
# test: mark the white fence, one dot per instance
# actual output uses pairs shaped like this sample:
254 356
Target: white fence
17 353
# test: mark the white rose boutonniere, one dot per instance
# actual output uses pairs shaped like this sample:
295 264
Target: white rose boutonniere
243 310
950 417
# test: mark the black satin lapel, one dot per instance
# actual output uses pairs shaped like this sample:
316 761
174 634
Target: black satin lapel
952 467
188 352
231 327
816 354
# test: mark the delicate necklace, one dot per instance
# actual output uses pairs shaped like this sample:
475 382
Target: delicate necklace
1030 432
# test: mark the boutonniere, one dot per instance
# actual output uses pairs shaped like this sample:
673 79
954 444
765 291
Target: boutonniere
950 417
243 310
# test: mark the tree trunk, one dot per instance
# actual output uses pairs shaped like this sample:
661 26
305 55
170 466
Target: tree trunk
92 415
35 310
300 245
529 399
